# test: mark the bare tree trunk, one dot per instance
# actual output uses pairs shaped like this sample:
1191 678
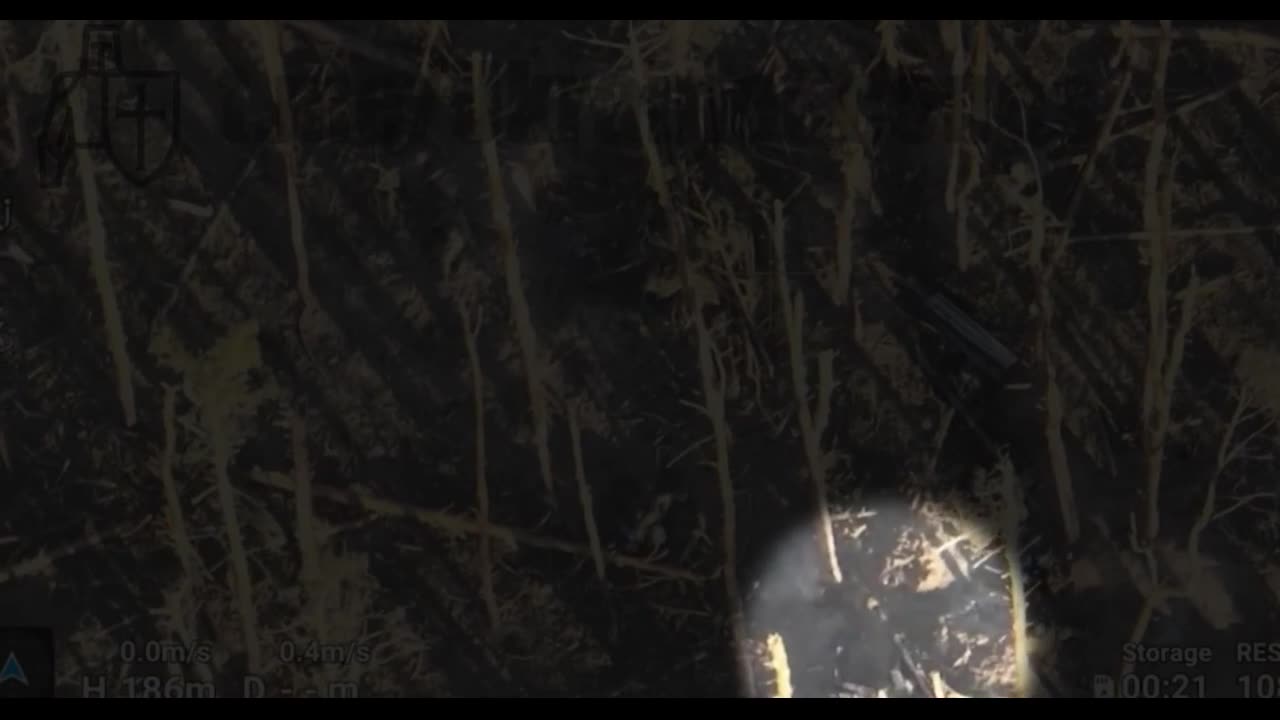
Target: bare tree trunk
811 431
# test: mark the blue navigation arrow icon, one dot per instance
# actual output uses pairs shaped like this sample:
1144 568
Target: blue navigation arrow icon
27 666
12 670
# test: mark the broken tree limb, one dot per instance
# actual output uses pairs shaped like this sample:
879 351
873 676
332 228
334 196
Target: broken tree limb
449 522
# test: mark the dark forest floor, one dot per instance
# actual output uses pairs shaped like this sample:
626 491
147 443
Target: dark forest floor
511 359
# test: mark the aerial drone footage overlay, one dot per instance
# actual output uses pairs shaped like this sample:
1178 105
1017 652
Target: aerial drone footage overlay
663 358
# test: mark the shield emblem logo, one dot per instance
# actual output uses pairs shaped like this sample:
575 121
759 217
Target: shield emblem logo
140 121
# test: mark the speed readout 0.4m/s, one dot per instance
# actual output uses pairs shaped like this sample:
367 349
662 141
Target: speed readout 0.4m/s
316 653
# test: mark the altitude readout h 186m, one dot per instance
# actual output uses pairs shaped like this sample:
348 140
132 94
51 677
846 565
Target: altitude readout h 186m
145 686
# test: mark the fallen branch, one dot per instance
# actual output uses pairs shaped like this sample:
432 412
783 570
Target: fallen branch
1228 450
218 385
1241 502
243 579
777 662
584 492
1012 520
810 431
1139 629
470 329
450 523
349 43
304 516
1209 36
708 361
1210 496
187 554
304 520
113 325
940 439
956 197
856 176
1156 222
42 562
1100 143
844 232
501 212
1145 583
981 60
680 37
273 59
1042 262
1182 111
1146 236
315 598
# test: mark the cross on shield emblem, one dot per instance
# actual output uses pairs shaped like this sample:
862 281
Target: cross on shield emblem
140 121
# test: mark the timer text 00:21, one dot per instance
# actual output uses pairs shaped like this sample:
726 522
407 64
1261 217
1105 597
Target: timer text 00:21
1140 685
